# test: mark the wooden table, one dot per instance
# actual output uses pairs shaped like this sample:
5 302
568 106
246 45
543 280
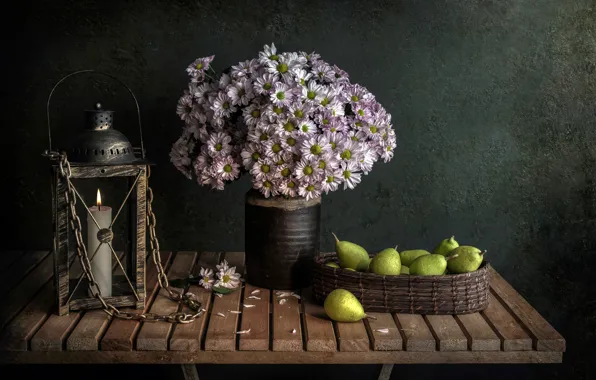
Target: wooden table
508 331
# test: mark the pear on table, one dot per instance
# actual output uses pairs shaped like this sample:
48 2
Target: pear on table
465 259
351 255
343 306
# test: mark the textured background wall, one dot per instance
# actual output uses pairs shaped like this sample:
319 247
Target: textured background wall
493 103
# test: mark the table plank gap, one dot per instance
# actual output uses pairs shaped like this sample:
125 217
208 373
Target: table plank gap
53 334
27 262
319 334
221 331
256 319
449 335
17 334
154 336
418 336
383 341
121 333
286 320
545 337
20 296
480 335
513 336
188 337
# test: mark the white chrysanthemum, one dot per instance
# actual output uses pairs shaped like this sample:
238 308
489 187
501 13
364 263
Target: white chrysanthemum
284 67
313 91
202 92
273 148
242 69
262 132
302 76
327 162
222 105
219 144
314 147
268 54
290 142
311 58
228 278
367 160
227 168
224 82
267 186
358 135
202 162
337 108
207 279
350 175
251 154
356 93
332 180
335 140
251 114
310 190
184 107
209 178
264 84
263 169
222 266
349 151
307 127
281 95
307 170
300 110
323 72
288 187
274 112
241 92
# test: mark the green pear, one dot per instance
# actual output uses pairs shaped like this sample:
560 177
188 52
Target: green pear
465 259
405 270
351 255
332 265
342 306
387 262
446 246
408 257
429 265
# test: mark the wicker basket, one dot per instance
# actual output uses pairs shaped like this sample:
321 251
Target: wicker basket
448 294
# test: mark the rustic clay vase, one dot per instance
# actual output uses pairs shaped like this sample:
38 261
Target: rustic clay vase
282 238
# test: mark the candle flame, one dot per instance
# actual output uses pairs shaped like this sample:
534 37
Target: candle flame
98 198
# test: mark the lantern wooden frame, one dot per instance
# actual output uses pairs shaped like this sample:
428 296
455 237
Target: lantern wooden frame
135 242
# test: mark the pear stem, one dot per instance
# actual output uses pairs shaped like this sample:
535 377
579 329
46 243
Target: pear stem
452 257
396 247
483 252
335 236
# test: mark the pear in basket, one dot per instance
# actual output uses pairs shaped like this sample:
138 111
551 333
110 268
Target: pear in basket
465 259
351 255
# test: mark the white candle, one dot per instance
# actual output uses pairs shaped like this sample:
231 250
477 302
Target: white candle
101 264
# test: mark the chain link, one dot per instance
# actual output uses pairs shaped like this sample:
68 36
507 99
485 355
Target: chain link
75 224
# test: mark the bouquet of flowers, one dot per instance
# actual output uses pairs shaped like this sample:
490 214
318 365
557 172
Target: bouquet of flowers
293 121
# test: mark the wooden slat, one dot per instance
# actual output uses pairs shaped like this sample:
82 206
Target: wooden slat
286 318
381 341
273 357
54 331
15 336
417 334
256 319
318 328
513 336
545 337
221 331
448 334
481 336
155 335
20 296
7 258
352 336
188 337
87 333
121 333
20 268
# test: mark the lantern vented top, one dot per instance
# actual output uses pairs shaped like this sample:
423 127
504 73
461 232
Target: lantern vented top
99 142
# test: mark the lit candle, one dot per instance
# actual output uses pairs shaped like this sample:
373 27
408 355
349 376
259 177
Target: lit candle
101 264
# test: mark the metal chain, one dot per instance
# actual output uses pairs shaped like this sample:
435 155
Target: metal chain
75 223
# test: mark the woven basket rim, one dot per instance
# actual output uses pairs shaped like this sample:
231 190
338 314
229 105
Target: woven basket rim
324 257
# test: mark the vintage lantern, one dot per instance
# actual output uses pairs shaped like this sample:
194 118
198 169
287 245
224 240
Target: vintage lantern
106 277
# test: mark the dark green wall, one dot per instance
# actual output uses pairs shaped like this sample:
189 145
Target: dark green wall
493 104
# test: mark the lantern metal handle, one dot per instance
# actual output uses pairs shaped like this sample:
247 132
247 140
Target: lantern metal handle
101 73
